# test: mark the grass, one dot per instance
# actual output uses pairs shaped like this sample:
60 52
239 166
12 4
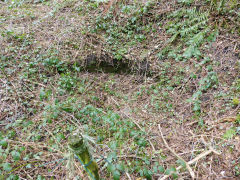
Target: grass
191 88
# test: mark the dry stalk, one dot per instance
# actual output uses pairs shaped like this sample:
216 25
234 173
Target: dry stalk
209 146
129 177
200 156
179 157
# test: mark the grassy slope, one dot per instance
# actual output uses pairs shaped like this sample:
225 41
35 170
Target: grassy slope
45 95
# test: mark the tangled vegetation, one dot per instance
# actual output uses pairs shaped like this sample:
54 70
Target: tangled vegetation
162 102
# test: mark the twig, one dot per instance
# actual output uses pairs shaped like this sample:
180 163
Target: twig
2 116
34 82
209 146
200 156
189 163
179 157
76 124
30 177
129 177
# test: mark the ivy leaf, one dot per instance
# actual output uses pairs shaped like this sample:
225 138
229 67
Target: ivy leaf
229 134
3 143
7 167
142 142
16 155
197 94
188 2
111 156
116 175
113 145
174 175
40 177
182 163
161 169
42 95
148 174
238 130
111 168
12 177
170 171
212 36
120 167
155 169
197 106
29 166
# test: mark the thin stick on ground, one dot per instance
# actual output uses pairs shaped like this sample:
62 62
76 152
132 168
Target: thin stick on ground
129 177
179 157
200 156
209 146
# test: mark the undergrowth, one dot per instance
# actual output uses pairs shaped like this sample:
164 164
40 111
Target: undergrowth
46 98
